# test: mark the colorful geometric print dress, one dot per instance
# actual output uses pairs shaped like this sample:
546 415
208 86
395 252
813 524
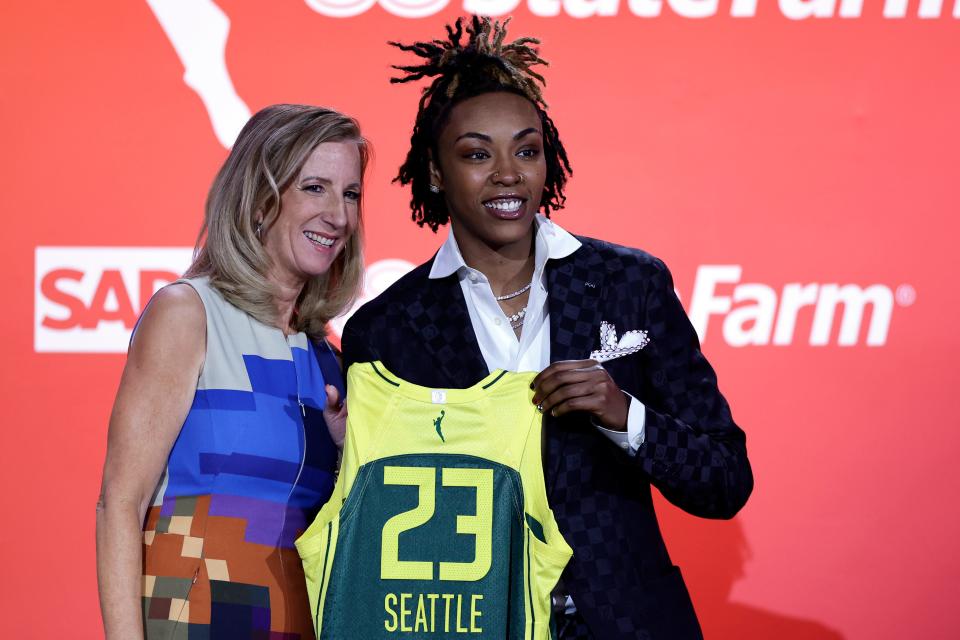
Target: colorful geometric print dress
251 468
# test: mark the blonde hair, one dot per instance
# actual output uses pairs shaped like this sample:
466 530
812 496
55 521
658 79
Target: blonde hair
266 158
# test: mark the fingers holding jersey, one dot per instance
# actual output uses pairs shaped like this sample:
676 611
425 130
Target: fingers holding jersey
581 385
571 397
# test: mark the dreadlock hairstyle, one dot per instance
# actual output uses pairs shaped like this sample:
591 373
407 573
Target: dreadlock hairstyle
483 64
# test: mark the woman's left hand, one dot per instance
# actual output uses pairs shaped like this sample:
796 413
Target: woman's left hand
335 415
581 385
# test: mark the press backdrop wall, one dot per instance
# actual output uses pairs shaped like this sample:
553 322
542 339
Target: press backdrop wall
795 163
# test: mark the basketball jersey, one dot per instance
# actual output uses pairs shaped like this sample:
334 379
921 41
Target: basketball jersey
438 526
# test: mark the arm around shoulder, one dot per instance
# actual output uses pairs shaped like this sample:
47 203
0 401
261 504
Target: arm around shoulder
155 393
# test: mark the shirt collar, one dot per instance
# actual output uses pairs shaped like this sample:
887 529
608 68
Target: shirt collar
551 243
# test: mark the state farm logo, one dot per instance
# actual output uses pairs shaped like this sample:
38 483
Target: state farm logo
763 315
198 31
401 8
88 299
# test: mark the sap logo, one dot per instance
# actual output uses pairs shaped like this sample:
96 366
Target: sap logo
87 299
762 316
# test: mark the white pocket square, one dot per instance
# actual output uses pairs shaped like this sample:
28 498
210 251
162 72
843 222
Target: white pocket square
611 347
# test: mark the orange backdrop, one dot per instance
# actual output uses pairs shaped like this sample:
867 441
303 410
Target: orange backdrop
795 162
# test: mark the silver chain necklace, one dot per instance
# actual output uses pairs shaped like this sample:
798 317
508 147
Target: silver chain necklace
507 296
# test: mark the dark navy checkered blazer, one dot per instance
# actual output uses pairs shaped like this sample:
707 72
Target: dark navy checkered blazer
620 577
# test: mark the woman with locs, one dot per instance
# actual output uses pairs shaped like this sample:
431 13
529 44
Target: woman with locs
629 400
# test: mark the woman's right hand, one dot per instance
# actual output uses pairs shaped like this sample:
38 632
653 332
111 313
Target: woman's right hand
156 390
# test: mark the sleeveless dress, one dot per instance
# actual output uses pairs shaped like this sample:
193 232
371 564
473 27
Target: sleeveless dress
251 467
439 525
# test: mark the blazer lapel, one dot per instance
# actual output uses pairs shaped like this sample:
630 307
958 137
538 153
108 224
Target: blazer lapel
575 289
439 315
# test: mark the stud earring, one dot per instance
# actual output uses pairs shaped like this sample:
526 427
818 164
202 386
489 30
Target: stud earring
434 188
258 229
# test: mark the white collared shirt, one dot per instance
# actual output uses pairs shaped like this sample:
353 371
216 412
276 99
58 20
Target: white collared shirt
499 345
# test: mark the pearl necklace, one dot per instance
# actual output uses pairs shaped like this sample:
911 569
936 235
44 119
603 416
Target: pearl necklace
516 320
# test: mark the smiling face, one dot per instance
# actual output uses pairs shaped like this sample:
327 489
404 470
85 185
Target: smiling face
491 168
318 213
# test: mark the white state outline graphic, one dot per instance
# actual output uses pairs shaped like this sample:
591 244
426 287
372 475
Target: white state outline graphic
198 31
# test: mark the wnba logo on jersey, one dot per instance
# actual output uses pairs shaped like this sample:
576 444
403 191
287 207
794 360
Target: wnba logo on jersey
436 424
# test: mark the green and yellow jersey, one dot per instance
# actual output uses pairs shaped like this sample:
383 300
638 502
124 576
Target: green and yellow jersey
438 526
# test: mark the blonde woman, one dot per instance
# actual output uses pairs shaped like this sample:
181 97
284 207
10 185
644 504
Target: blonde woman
224 434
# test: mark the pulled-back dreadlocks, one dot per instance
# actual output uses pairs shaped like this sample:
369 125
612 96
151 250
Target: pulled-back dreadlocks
484 64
